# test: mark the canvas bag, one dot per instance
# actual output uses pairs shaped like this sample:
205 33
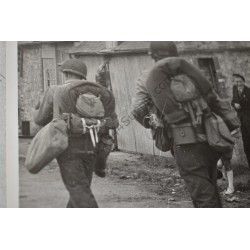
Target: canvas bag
48 144
90 106
218 134
161 142
183 88
224 109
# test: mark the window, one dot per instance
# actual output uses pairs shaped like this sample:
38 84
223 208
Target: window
62 55
208 67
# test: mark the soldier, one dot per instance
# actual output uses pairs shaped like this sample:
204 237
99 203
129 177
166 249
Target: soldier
196 160
78 160
106 141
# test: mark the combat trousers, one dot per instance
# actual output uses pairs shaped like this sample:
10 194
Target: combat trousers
76 167
197 165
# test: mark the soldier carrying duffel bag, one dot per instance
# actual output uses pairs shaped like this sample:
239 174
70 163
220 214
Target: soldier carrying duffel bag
58 111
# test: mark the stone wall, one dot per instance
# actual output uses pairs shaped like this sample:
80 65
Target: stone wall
211 45
30 85
34 61
229 63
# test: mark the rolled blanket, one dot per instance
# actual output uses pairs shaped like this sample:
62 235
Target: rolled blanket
159 81
60 99
69 93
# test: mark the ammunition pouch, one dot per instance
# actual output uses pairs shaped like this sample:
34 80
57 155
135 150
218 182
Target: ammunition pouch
184 134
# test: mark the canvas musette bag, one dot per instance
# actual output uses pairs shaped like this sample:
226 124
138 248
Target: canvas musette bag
90 106
218 134
48 143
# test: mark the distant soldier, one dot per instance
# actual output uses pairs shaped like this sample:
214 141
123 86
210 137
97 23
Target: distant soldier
106 141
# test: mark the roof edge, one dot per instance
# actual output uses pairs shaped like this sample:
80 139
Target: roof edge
138 51
27 43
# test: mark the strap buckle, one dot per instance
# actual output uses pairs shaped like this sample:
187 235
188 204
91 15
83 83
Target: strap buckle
93 131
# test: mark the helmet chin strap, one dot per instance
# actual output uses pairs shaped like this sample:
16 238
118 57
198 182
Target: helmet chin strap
159 55
70 76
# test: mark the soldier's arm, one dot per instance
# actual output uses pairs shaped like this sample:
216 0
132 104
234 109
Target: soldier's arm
43 112
141 102
102 75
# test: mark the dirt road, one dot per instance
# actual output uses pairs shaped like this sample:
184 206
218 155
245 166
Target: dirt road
48 191
133 181
125 185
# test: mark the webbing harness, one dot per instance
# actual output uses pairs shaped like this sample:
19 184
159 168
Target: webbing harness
93 131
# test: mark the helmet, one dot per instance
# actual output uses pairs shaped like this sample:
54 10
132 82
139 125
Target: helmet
167 49
75 66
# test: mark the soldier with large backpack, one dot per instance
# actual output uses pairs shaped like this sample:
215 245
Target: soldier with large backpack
85 111
196 122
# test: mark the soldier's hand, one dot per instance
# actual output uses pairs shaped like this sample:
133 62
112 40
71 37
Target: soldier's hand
237 106
156 122
65 116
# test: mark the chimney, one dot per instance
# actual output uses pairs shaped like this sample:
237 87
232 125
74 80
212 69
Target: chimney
111 44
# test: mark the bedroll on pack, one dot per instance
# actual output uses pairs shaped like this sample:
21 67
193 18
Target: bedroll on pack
92 97
62 99
166 78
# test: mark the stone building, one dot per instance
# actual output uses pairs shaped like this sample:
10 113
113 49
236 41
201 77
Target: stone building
38 68
38 64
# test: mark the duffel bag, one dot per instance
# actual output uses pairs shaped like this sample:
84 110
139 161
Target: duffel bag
48 144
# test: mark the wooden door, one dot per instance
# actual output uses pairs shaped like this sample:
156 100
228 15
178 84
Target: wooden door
124 71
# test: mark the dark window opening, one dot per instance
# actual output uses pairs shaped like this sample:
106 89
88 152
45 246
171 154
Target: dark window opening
25 128
208 68
211 69
61 57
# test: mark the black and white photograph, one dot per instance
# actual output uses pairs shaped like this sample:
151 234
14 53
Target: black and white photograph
134 124
138 108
